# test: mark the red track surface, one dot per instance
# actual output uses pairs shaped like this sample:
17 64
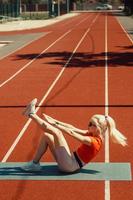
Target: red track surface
78 94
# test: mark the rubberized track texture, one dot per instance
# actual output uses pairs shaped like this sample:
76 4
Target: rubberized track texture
76 68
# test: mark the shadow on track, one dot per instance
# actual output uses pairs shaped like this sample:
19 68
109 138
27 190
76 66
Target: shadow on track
84 60
51 170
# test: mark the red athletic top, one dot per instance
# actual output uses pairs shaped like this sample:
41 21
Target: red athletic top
88 152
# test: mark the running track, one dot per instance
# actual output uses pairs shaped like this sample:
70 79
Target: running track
81 65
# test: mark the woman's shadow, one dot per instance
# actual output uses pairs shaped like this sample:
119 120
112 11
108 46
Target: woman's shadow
17 172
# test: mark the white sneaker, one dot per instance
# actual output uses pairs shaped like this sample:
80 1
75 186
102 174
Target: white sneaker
33 167
30 109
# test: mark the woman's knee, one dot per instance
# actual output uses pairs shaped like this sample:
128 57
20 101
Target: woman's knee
48 137
57 138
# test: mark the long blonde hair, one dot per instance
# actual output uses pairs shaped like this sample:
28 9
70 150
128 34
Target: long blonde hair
107 122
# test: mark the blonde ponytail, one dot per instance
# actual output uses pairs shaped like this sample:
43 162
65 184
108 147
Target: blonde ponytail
116 136
107 122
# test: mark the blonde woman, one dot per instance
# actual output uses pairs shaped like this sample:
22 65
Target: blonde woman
91 140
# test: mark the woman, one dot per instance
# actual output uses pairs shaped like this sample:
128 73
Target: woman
91 140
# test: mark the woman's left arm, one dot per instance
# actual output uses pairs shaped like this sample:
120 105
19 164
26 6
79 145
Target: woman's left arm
80 137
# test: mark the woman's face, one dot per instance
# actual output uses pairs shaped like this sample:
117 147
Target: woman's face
92 127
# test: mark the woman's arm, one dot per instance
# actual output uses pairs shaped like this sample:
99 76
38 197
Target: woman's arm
83 139
68 126
47 127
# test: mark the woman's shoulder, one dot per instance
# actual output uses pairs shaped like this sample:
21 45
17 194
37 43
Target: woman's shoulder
96 140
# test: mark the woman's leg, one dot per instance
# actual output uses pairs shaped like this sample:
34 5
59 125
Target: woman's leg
46 141
59 139
58 146
53 138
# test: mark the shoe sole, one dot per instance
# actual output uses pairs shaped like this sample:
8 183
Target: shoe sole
26 112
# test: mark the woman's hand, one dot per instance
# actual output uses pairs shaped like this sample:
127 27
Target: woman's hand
50 119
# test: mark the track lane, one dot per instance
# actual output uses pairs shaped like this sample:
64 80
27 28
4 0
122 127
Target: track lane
120 90
59 104
66 189
23 55
69 93
46 74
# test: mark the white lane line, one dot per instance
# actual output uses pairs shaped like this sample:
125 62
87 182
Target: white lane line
83 20
107 183
46 95
2 45
106 88
75 19
71 20
5 42
25 66
127 34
